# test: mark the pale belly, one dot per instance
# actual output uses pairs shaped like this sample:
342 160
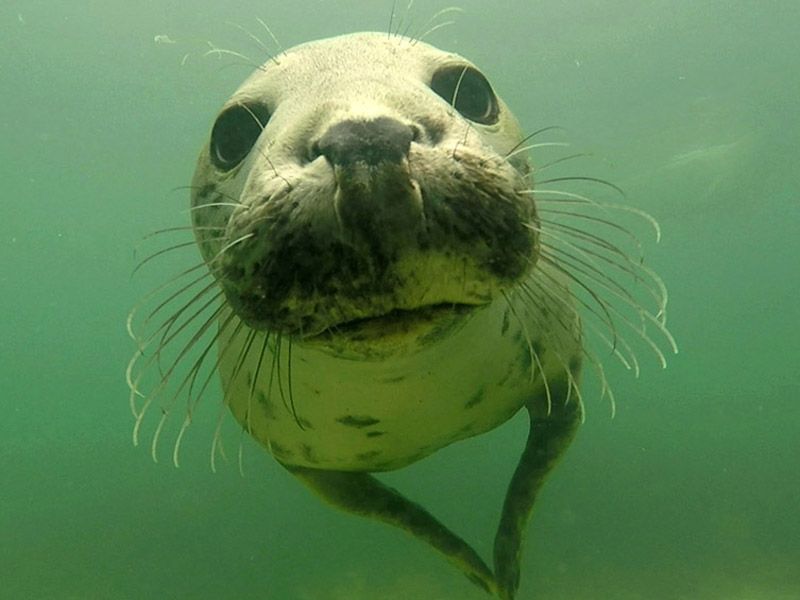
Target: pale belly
341 414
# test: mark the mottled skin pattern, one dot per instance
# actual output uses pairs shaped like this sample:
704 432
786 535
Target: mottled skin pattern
389 291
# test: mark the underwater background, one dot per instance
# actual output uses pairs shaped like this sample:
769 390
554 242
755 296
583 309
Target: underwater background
692 491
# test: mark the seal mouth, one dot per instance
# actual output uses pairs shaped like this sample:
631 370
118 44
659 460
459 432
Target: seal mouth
424 321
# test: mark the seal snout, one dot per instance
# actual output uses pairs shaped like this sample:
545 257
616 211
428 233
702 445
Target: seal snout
369 141
376 201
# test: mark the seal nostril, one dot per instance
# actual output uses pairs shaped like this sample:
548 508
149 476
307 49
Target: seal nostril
368 141
416 132
313 152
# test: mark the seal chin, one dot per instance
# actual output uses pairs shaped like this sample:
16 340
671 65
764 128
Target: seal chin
400 331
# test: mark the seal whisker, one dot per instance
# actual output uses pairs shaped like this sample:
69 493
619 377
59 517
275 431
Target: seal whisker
158 232
220 51
608 206
545 166
224 249
288 403
593 219
182 290
391 19
599 301
166 409
132 386
462 141
639 213
240 453
164 329
255 38
142 345
206 190
597 180
571 231
261 151
458 87
453 102
530 136
291 393
527 287
565 263
644 315
254 383
268 218
201 189
217 204
216 440
528 299
212 270
192 404
429 23
278 45
408 20
164 251
562 197
167 334
526 335
225 405
588 267
276 354
392 31
223 350
192 378
617 290
157 434
573 198
165 376
253 115
524 149
433 29
613 343
636 270
552 296
176 449
287 400
231 245
535 360
629 361
263 154
405 16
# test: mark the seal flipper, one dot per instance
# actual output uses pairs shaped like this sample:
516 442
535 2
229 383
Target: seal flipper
551 432
362 494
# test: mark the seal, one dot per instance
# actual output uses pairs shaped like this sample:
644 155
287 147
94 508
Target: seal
385 281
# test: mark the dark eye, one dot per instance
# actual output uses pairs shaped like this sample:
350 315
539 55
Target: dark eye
468 91
235 133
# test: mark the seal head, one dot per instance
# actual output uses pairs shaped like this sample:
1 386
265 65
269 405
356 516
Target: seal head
363 195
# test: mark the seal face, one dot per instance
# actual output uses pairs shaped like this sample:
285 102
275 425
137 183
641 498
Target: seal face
366 190
384 282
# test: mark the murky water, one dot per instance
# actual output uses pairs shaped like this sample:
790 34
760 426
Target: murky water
690 492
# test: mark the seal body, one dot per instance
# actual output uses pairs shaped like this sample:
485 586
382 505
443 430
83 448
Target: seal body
375 415
381 254
363 207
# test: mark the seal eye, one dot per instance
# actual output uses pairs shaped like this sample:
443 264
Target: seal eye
466 89
235 133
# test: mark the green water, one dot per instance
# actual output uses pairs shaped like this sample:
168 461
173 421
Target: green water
691 492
